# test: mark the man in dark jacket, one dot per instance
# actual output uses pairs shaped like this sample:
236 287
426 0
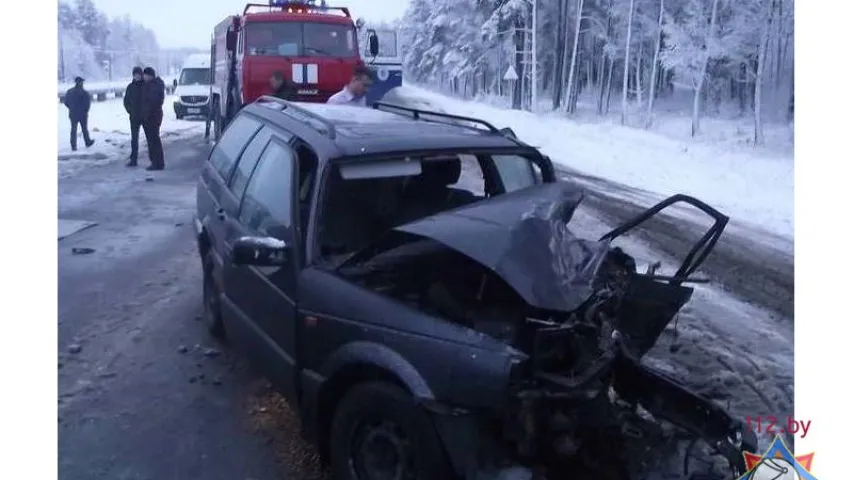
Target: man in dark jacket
153 95
133 106
78 101
282 87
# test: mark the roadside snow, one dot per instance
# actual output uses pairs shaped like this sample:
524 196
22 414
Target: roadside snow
110 128
753 186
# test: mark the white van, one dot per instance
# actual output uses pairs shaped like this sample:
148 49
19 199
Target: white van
192 87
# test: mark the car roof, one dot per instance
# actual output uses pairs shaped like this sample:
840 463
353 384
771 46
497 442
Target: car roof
343 130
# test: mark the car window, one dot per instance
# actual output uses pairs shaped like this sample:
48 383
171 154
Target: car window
267 204
516 172
235 137
247 162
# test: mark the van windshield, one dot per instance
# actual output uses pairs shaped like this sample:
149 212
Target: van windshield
194 76
291 39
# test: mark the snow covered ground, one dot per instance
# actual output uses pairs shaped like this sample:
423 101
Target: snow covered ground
752 185
110 128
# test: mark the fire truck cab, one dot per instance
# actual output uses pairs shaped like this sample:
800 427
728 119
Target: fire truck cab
314 46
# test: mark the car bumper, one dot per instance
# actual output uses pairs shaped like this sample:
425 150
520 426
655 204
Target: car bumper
191 110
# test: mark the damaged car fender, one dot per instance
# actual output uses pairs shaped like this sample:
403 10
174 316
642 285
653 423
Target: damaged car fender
365 333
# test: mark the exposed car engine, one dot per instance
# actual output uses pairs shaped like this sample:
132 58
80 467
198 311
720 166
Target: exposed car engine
581 317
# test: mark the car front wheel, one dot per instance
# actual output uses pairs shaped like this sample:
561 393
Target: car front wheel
212 305
380 433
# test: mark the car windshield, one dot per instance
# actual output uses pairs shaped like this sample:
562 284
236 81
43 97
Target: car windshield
194 76
290 39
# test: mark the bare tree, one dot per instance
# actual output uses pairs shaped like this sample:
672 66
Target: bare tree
758 138
699 82
628 64
571 85
655 59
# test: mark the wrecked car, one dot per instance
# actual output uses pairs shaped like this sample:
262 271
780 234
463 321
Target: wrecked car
426 304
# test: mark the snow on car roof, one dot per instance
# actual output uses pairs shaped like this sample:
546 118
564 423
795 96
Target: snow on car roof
351 114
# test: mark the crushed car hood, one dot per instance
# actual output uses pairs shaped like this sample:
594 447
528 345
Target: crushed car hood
523 236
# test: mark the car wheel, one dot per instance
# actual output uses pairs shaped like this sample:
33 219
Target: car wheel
379 433
212 304
179 116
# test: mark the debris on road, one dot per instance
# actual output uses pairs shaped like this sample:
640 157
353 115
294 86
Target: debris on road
183 349
75 348
211 352
82 250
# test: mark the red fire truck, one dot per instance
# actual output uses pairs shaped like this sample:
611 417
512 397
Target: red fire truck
314 46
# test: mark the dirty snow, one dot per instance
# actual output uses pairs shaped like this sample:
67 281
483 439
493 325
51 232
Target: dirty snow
754 186
110 128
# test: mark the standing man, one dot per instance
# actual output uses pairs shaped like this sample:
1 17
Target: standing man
282 87
78 101
133 106
354 93
153 95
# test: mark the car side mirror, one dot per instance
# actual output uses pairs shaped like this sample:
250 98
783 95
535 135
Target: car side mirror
175 83
373 42
260 252
359 23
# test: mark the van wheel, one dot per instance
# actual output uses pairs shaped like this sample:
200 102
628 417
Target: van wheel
379 433
212 304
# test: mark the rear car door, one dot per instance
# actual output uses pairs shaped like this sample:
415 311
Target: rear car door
216 203
262 299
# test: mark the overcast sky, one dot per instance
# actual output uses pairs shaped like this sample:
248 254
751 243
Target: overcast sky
189 23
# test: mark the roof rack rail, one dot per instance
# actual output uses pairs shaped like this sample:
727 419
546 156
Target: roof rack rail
290 109
416 114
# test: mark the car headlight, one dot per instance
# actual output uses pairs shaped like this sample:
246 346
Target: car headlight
382 74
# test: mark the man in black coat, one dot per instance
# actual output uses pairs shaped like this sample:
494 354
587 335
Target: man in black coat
78 101
153 95
282 87
133 106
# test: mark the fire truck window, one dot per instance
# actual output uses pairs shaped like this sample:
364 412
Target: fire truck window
235 137
329 40
268 38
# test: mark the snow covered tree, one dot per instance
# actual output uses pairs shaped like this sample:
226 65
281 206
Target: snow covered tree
96 48
711 48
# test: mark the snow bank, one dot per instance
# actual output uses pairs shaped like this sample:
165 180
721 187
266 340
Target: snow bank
753 186
100 87
110 128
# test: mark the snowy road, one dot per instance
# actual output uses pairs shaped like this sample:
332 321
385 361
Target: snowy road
139 400
132 404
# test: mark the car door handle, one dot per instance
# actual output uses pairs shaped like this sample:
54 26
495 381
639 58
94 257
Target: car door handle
220 213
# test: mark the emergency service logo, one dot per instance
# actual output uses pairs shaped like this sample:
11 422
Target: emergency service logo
778 463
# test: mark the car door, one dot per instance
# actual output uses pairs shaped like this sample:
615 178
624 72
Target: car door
263 298
215 200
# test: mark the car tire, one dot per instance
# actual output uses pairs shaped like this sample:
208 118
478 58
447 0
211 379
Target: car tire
179 116
212 304
378 419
